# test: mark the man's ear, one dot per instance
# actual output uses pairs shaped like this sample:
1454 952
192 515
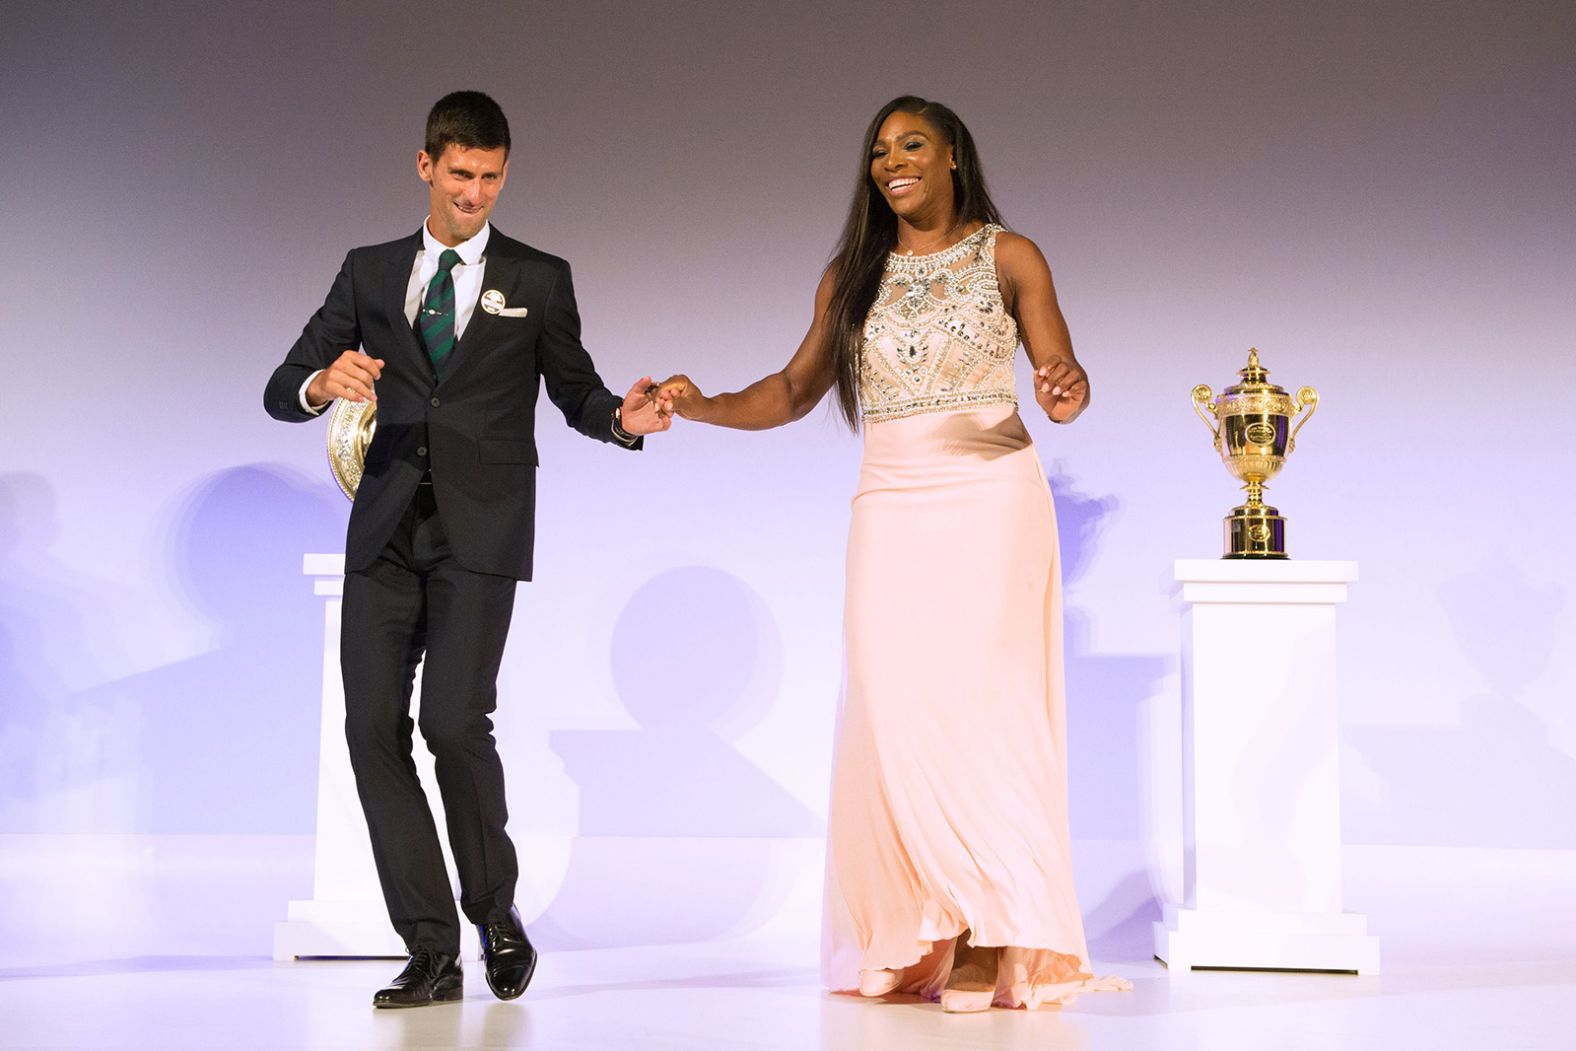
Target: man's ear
424 167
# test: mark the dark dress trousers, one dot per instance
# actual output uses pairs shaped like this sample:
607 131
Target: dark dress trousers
440 531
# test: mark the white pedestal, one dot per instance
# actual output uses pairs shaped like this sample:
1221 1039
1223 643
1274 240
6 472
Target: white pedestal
1261 786
345 915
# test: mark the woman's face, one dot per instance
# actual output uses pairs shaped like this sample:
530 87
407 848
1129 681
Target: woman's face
912 167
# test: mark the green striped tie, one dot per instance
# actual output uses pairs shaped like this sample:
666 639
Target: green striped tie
435 322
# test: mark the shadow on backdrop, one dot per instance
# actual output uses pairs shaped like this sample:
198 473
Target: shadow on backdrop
57 751
228 739
1110 700
1433 793
677 828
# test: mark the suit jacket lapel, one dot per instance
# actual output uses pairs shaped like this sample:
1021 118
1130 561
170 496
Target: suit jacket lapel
400 263
499 272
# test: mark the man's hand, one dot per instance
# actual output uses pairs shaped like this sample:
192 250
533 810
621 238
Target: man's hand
350 376
1062 389
643 411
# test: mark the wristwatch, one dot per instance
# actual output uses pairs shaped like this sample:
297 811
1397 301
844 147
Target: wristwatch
621 435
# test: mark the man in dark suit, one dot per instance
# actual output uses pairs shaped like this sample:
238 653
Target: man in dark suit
451 332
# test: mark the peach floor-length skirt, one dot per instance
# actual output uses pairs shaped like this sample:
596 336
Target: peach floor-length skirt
949 788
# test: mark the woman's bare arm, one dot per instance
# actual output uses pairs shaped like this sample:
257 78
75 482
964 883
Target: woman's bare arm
773 400
1061 385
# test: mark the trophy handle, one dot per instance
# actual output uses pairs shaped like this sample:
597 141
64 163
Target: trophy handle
1307 402
1204 400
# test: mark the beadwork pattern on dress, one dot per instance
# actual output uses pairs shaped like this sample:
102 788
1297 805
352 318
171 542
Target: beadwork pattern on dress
939 337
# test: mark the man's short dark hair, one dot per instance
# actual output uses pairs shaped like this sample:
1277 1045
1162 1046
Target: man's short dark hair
469 120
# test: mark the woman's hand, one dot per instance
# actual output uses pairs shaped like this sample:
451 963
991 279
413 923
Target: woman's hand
1062 389
682 395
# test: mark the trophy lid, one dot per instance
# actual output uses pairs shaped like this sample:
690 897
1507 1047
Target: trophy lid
1254 378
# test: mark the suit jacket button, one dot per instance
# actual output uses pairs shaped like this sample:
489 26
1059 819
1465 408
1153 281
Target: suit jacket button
434 403
421 450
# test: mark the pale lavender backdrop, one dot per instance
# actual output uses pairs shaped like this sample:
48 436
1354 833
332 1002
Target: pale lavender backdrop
1379 196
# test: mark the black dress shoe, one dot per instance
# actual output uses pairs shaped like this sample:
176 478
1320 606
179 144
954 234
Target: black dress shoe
429 978
510 959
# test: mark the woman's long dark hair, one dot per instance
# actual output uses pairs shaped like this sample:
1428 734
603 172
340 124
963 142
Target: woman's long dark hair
870 233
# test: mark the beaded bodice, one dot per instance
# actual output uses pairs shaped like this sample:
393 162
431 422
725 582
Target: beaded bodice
939 337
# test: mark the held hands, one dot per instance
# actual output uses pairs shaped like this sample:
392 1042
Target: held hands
681 396
350 377
1062 389
650 407
645 410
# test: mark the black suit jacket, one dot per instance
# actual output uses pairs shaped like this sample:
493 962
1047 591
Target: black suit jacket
476 428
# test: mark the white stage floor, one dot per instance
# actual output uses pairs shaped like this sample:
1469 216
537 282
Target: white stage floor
138 942
755 995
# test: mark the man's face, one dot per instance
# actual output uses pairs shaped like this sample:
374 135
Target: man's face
464 184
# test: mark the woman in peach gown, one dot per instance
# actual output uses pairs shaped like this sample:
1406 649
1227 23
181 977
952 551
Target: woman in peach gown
948 872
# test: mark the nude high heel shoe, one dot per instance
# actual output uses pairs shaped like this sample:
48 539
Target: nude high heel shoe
877 982
972 984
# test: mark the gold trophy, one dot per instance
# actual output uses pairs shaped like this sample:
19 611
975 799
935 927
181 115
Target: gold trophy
350 428
1251 421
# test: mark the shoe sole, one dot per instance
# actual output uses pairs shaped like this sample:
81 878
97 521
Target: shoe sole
425 1003
446 996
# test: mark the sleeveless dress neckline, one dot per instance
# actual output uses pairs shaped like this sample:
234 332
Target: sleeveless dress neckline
902 257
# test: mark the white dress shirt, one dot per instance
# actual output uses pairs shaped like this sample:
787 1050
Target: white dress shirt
467 274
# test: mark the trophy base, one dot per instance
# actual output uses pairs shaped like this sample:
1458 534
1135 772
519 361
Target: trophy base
1255 532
